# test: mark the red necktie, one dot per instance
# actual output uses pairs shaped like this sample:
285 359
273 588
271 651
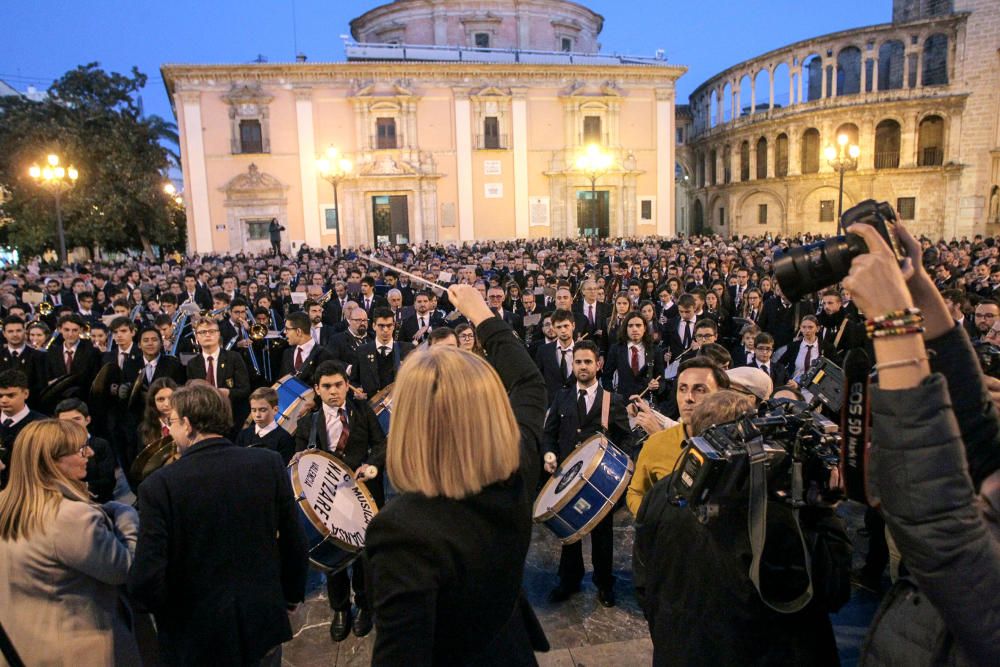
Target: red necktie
344 433
635 361
298 359
210 372
165 430
69 361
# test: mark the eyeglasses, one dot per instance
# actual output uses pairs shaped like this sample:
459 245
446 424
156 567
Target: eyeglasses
467 336
205 332
704 336
82 451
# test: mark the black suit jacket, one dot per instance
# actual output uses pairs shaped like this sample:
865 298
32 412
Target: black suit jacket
316 356
344 347
364 374
377 302
411 326
86 363
168 366
788 358
7 438
601 313
365 442
218 580
32 363
777 371
781 320
672 340
547 360
278 440
629 384
230 373
564 430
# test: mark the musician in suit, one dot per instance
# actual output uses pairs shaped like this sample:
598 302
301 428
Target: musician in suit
595 313
763 349
303 354
635 359
58 296
378 361
333 309
495 297
781 318
265 431
101 464
577 412
564 301
802 352
195 292
122 420
345 344
156 363
555 359
72 358
368 299
320 332
223 369
735 293
416 327
205 607
678 332
14 414
17 354
349 430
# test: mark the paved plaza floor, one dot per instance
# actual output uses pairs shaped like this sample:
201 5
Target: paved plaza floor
580 631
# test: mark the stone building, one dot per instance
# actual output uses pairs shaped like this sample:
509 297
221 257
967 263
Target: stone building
920 96
463 120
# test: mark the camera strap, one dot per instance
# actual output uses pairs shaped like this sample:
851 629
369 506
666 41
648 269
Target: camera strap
757 525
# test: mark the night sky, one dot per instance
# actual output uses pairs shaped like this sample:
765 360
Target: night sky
41 40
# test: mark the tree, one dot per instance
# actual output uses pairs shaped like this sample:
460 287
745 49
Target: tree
90 118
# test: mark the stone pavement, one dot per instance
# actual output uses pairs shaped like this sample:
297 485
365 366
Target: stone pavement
581 631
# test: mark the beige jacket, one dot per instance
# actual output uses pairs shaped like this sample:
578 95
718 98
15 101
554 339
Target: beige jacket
59 590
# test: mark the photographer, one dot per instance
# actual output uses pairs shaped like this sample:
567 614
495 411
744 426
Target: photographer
693 583
926 472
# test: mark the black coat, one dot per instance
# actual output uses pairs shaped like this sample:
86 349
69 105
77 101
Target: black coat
86 363
221 551
7 438
278 440
444 596
547 360
781 320
32 363
101 470
629 384
230 373
315 357
778 372
344 347
365 374
376 303
408 330
365 443
564 431
672 339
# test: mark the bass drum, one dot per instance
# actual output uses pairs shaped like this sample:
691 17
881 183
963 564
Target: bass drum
153 457
295 399
381 404
583 489
335 509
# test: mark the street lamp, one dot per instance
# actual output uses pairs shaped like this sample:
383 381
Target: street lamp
56 179
334 168
594 163
842 159
171 191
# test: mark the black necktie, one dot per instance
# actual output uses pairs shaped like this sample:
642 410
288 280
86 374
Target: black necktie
15 355
687 334
563 366
581 405
385 350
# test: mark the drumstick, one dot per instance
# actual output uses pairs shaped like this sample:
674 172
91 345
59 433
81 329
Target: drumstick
411 276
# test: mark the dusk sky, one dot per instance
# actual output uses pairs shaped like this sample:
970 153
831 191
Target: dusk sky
44 39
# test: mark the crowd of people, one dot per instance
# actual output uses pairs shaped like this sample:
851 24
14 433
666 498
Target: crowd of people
646 341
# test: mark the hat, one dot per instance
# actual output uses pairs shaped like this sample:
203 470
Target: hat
751 380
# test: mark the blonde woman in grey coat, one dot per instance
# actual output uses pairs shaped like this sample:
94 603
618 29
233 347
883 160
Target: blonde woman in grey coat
63 557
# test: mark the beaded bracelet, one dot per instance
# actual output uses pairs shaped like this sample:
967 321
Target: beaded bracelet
897 314
896 331
896 323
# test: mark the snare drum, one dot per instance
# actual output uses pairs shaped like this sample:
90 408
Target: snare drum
583 489
335 509
295 398
381 404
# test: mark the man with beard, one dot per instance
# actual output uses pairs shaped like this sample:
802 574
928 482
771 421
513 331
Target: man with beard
837 331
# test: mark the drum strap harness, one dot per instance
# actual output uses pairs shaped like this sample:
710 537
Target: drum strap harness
757 526
605 409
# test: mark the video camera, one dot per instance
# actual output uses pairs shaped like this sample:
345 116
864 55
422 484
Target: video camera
989 358
799 448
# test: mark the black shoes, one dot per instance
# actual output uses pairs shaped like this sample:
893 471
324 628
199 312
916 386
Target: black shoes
606 596
340 626
362 623
562 592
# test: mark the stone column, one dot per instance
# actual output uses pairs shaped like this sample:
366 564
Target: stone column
463 163
908 141
195 175
666 225
519 141
794 151
307 167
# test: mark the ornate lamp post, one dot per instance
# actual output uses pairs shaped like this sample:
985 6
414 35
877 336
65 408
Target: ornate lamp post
56 179
334 168
594 163
842 159
171 191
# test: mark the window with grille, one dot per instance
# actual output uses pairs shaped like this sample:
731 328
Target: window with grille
491 132
762 214
906 208
482 40
592 130
826 210
251 139
386 133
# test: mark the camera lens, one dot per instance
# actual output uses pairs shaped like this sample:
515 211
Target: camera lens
811 268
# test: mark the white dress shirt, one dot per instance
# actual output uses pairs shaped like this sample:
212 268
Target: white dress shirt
642 354
569 357
591 394
334 427
261 432
800 360
306 348
16 417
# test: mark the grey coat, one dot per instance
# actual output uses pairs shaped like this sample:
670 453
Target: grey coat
59 589
949 612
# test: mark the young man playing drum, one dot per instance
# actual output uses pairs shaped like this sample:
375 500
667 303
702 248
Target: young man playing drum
349 430
576 413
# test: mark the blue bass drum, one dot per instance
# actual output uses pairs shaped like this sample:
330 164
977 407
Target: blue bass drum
334 508
295 398
381 404
583 489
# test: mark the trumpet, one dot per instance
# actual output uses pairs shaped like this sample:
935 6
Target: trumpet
217 314
45 308
85 334
326 297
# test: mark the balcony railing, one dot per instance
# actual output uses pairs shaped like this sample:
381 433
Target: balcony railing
382 143
492 142
931 157
887 160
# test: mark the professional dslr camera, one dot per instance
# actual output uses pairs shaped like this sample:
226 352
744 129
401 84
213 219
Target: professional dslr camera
989 358
811 268
798 447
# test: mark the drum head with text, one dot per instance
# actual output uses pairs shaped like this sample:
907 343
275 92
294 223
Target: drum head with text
337 505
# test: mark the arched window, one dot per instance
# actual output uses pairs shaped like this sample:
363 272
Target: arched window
930 142
745 161
727 165
851 130
713 159
810 151
813 69
994 211
698 218
849 71
713 120
887 141
727 103
891 61
762 158
936 60
699 161
781 155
